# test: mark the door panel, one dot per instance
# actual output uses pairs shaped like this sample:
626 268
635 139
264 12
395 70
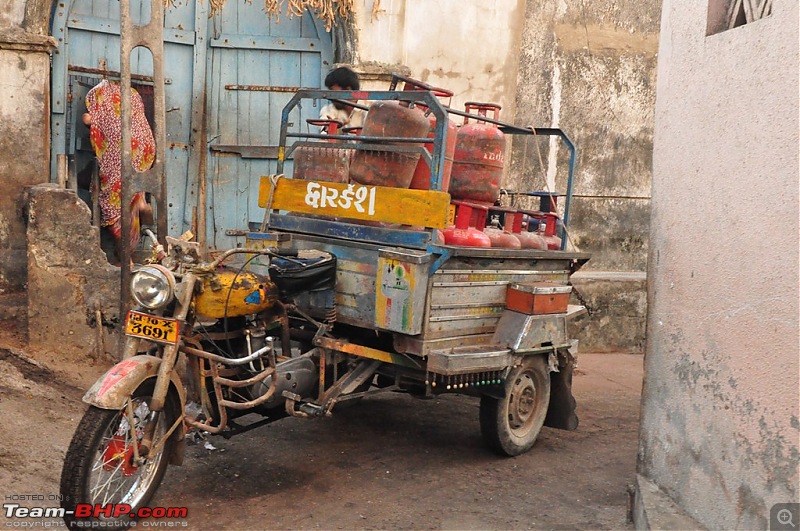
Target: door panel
90 50
243 53
254 67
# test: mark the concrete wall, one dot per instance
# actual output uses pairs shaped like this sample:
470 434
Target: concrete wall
720 421
24 128
589 68
471 48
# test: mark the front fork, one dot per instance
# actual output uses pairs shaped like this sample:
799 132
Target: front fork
168 359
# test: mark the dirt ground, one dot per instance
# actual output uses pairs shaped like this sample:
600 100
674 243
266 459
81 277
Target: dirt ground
389 462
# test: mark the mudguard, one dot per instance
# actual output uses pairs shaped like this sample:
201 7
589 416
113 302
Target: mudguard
112 389
561 411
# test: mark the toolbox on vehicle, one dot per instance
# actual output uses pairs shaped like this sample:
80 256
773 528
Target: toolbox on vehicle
535 298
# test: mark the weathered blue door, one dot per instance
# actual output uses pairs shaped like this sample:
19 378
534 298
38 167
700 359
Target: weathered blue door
253 69
231 71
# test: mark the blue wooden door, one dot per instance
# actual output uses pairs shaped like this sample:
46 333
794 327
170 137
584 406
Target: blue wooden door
215 71
254 65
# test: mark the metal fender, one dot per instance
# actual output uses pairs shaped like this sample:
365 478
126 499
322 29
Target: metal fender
561 411
117 384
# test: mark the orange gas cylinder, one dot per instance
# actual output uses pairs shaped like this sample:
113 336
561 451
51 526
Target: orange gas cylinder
323 163
479 157
462 233
422 173
388 168
550 222
503 237
528 239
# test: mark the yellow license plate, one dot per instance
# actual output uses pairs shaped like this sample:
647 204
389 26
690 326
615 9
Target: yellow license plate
157 329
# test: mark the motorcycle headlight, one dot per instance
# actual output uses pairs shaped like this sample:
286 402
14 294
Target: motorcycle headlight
153 286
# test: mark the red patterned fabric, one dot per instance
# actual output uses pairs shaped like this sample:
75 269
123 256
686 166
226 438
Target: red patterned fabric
104 105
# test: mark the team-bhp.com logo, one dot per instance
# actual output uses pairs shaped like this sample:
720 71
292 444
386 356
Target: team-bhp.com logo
94 511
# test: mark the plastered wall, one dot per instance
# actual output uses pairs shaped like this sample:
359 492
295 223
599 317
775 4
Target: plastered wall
24 129
720 424
471 48
589 68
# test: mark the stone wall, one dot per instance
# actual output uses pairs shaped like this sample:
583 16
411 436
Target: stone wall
720 417
69 277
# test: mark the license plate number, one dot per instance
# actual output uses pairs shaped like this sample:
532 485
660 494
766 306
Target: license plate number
157 329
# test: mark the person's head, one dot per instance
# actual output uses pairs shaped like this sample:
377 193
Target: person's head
342 78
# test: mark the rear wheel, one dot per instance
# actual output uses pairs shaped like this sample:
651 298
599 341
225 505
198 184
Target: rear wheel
510 425
99 467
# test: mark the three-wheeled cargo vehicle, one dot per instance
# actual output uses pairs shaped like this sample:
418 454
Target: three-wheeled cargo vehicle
352 284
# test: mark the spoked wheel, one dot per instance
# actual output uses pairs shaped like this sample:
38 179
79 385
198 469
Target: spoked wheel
100 466
510 425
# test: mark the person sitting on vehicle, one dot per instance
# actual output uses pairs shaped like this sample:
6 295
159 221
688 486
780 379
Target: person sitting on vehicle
343 78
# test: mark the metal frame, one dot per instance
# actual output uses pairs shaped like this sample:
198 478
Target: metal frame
149 36
436 159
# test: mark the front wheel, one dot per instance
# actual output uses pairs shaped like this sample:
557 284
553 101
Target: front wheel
100 467
510 425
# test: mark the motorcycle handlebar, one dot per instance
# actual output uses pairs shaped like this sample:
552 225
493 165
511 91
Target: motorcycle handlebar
211 266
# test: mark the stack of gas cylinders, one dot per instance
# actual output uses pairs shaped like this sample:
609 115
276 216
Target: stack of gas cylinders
472 172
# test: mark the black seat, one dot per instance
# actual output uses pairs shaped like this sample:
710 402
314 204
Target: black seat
309 271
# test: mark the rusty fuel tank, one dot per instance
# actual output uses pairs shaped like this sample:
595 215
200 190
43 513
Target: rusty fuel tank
233 293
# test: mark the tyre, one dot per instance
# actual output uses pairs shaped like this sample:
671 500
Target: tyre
99 468
510 425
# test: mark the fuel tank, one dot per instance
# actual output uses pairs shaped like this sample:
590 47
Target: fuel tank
234 293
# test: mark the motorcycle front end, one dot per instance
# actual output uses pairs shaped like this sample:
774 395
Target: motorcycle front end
134 425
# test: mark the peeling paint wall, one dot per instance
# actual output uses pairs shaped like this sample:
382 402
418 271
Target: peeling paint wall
589 68
24 131
471 48
720 420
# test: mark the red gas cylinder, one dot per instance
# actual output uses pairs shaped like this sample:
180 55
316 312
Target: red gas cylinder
422 173
387 168
462 233
504 237
324 163
550 221
528 239
479 157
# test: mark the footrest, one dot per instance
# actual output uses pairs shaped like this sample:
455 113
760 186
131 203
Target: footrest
463 360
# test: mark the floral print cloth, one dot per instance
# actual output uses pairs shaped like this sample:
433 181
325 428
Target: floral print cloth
104 105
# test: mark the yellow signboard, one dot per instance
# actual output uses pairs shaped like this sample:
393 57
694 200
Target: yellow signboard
421 208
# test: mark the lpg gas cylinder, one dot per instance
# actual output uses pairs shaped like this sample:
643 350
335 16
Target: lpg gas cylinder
550 222
388 168
323 163
503 237
479 157
422 173
528 239
462 233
